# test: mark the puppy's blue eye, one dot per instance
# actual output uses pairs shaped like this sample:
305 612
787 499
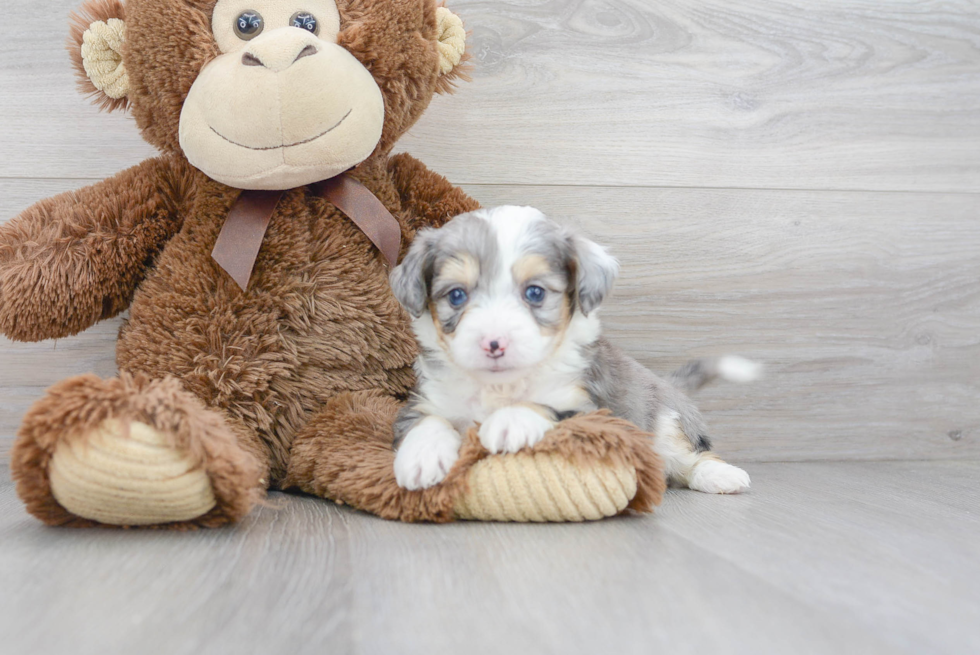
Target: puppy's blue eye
457 297
534 294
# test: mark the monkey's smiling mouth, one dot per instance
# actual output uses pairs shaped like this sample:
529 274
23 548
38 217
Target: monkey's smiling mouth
285 145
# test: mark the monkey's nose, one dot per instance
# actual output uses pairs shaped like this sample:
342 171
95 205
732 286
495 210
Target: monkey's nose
277 56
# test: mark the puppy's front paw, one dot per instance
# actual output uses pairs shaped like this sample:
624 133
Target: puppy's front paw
511 428
428 452
715 477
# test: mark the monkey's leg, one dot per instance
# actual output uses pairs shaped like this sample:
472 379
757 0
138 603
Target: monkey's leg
344 453
130 451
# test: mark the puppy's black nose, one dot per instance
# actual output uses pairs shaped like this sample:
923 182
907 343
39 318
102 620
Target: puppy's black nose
494 347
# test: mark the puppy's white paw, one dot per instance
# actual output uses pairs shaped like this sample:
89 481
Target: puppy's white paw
511 428
714 477
425 456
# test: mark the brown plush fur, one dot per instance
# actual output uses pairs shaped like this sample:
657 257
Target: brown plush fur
299 375
77 258
393 39
77 405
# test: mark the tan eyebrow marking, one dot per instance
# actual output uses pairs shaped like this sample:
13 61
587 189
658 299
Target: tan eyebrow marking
530 267
462 270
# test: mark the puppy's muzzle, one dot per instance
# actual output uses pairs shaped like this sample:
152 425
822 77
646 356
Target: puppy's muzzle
494 347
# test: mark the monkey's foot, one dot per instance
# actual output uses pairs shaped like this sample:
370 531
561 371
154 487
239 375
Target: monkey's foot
130 451
126 473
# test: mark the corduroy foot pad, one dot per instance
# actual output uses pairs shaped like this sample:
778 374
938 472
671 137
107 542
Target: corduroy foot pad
591 466
545 487
128 474
129 451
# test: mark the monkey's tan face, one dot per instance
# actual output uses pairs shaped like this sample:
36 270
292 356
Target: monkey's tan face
283 105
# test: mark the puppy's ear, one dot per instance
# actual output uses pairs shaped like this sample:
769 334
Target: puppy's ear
595 272
409 279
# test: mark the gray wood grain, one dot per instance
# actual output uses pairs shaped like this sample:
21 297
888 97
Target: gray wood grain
626 586
864 307
854 536
48 129
750 93
747 93
279 582
817 558
5 445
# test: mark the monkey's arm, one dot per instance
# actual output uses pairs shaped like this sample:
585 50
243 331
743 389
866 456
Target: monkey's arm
77 258
429 197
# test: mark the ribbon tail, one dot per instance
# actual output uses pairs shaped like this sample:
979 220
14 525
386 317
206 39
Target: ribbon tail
238 244
368 213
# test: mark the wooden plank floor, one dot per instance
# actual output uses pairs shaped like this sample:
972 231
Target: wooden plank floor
799 183
819 558
840 94
795 181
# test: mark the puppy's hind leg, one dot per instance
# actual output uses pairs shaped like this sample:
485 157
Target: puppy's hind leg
685 466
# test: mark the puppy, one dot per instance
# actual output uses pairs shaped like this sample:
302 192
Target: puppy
504 302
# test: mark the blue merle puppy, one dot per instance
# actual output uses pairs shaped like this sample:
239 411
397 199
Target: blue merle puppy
505 307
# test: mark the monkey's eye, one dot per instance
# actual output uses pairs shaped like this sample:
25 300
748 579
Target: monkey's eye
457 297
305 21
248 25
534 294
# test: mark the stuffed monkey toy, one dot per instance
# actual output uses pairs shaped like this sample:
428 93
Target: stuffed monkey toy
263 348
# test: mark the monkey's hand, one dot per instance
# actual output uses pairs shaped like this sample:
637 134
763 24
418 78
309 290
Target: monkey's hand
77 258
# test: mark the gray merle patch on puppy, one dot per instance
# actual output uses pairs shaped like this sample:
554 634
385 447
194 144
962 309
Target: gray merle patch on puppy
505 306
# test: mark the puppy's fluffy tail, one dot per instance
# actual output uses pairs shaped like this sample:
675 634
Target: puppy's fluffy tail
699 372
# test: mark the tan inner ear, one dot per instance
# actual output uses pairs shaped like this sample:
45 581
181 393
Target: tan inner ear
102 57
452 40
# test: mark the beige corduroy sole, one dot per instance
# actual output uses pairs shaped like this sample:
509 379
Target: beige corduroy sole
128 477
542 487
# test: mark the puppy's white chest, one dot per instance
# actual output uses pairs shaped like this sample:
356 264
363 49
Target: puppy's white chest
494 396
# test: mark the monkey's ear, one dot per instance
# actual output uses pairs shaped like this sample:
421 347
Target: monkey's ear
95 43
451 44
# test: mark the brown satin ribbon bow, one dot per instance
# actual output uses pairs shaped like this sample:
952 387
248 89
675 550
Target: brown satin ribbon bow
241 236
